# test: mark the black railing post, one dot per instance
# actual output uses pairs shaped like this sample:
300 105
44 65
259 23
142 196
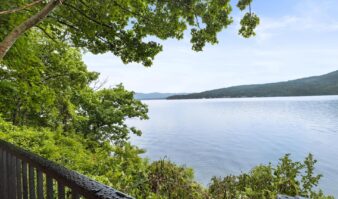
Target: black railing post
12 177
61 191
2 173
50 192
5 173
32 194
39 178
18 179
24 180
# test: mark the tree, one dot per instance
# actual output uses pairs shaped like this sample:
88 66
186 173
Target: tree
48 85
38 83
105 112
122 26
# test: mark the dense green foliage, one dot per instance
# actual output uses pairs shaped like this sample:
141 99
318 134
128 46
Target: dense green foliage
265 181
49 87
171 181
318 85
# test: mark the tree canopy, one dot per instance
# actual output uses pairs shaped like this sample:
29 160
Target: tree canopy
123 27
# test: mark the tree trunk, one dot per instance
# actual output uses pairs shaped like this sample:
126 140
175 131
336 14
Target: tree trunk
16 113
10 39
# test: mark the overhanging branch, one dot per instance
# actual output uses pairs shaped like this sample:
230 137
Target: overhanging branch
10 39
21 8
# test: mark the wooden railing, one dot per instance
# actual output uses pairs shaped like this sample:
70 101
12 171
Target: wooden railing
24 175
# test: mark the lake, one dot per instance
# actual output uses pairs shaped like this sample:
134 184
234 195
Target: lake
218 137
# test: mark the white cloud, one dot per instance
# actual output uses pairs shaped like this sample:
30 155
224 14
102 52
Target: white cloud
307 15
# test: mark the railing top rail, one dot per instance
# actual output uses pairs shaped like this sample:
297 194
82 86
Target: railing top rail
84 185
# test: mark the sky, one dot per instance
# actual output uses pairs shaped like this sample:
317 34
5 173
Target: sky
296 38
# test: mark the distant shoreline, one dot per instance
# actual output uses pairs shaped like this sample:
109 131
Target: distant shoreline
309 86
248 97
242 97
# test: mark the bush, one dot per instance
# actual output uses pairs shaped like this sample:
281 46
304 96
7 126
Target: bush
168 180
264 181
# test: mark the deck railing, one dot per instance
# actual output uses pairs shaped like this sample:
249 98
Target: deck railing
24 175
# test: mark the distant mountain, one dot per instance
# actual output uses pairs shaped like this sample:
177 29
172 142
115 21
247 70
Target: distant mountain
147 96
317 85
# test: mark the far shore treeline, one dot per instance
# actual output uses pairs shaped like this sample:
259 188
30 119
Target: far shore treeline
311 86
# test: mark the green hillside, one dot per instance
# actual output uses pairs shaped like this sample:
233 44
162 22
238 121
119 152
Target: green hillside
317 85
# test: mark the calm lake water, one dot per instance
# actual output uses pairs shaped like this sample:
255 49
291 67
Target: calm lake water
217 137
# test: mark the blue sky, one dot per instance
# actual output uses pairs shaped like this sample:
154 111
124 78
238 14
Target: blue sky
296 38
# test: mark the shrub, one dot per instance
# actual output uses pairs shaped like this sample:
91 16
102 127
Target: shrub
264 181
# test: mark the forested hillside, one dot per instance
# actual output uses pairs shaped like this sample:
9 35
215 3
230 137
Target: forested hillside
318 85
